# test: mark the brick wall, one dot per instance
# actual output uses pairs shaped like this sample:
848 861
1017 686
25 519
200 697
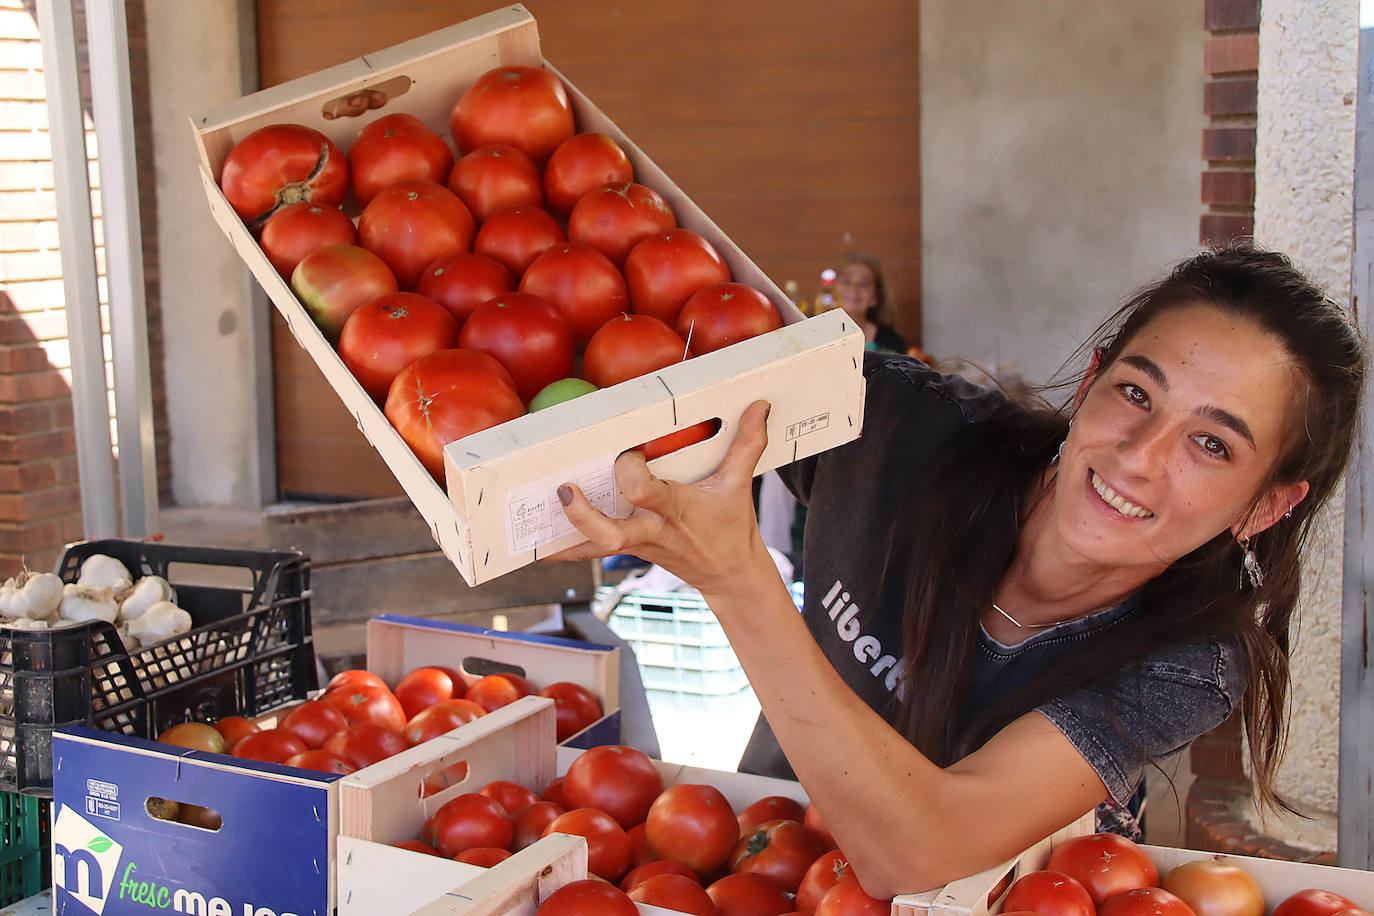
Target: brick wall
40 500
1230 60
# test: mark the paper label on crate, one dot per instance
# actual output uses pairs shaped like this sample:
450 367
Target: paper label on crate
535 517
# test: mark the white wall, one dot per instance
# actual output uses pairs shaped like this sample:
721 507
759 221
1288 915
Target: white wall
209 322
1060 164
1304 194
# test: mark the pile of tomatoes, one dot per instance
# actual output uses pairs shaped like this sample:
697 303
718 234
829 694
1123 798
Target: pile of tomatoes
682 847
1108 875
530 270
359 720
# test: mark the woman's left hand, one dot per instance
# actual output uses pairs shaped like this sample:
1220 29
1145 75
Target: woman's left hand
701 532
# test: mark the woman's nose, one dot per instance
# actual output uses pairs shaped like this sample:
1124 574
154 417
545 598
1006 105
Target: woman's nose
1145 448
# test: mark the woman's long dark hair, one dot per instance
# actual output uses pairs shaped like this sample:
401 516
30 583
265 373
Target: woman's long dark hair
955 560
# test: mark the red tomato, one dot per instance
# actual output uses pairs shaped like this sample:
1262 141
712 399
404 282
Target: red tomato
417 846
553 792
321 760
1313 902
440 719
817 826
656 867
616 779
1105 864
467 822
483 856
1144 901
422 688
726 313
333 281
526 335
355 677
389 333
364 743
588 898
608 853
640 854
664 271
616 217
511 795
524 107
411 224
821 875
1212 888
781 849
847 898
272 745
461 282
313 721
690 435
628 347
582 283
234 728
295 231
516 237
674 892
530 822
1051 893
576 706
494 691
194 735
748 895
368 704
396 147
446 396
583 163
279 165
496 178
694 825
772 808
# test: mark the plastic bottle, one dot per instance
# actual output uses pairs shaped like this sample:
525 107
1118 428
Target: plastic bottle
793 292
825 301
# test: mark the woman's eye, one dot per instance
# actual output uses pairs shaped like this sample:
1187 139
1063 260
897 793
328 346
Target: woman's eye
1213 446
1135 394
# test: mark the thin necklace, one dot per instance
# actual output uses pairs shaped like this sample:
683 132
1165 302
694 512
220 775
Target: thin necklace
1019 624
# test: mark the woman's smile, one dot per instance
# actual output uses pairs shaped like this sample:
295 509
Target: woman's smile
1115 500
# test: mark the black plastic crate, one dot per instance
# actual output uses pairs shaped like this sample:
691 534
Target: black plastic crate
250 649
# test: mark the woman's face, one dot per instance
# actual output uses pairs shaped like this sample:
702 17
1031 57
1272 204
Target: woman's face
855 290
1171 441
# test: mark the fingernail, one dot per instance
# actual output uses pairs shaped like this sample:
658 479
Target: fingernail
565 495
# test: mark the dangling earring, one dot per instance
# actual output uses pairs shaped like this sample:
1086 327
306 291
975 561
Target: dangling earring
1060 452
1250 565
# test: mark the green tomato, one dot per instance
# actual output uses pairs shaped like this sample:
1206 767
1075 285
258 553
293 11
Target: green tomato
565 389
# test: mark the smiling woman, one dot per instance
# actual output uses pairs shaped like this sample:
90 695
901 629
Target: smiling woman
1012 609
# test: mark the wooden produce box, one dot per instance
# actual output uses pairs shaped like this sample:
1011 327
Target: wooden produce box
982 894
379 807
500 511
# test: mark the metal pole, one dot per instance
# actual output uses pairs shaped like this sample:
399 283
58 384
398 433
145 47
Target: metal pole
1355 822
112 108
66 129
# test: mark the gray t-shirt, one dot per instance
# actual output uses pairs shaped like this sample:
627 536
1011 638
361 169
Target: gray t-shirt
1145 712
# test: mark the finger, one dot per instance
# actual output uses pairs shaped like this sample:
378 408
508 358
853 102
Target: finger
608 535
744 453
640 486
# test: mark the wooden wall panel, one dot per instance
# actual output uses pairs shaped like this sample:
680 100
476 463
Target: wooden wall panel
795 126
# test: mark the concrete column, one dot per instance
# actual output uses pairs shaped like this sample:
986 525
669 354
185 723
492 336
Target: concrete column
216 359
1304 192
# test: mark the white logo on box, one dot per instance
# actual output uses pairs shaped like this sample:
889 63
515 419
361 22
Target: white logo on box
84 860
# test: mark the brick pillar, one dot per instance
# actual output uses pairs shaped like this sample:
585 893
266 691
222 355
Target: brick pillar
1230 59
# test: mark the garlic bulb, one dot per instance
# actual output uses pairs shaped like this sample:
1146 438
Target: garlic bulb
37 595
103 571
83 602
161 621
8 591
145 593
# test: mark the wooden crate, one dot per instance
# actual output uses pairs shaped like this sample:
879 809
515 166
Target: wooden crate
982 894
380 805
500 511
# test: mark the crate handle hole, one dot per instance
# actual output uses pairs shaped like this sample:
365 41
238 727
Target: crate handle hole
184 813
444 778
364 100
476 666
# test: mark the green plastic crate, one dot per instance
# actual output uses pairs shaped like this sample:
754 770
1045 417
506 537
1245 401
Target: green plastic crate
25 864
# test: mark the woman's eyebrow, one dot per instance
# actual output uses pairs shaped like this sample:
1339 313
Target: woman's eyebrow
1229 420
1148 366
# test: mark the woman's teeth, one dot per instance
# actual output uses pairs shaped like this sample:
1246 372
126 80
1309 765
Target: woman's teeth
1113 499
